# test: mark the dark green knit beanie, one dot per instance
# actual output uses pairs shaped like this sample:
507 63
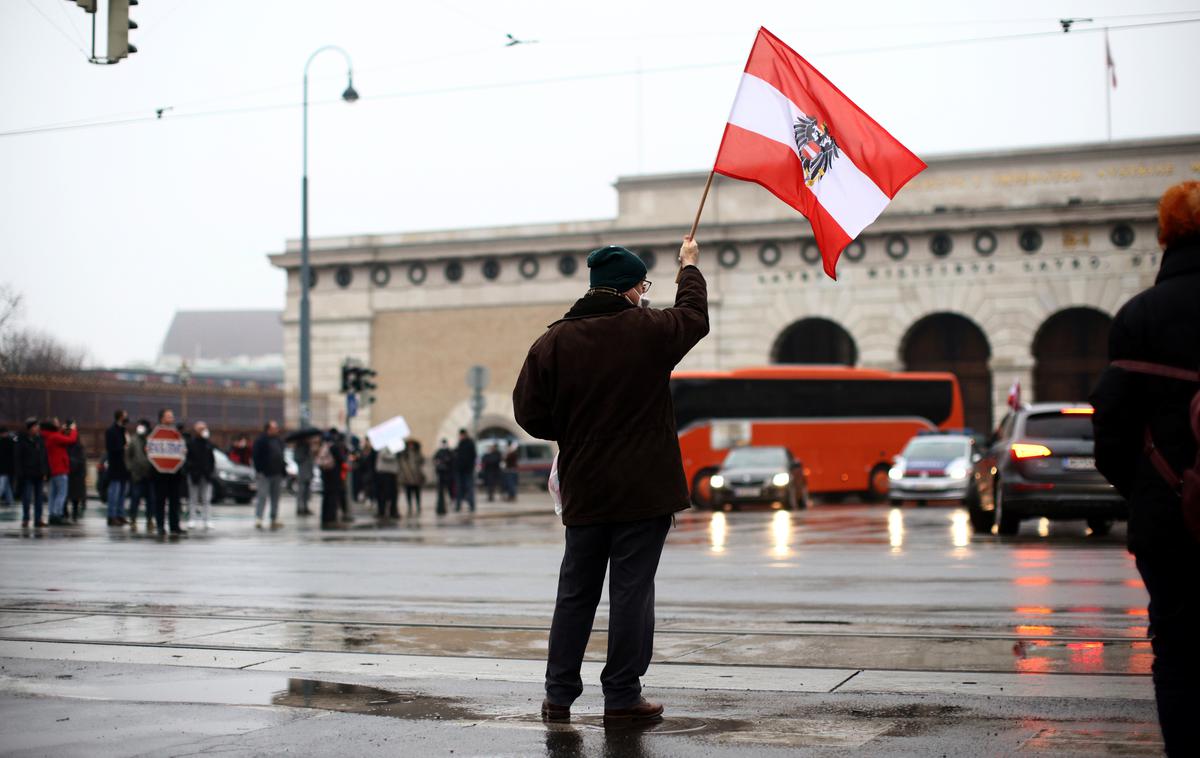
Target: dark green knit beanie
614 266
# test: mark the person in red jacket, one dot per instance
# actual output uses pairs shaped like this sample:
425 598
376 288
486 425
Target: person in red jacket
57 441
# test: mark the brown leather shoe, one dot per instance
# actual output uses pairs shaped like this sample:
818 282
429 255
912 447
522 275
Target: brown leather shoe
552 712
643 712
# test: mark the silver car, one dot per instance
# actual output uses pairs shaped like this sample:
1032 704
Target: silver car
933 467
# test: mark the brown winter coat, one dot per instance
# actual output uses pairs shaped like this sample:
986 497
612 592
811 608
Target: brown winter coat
597 382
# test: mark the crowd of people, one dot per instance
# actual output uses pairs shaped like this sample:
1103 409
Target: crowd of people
44 466
379 475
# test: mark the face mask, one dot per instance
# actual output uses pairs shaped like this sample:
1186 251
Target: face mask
204 434
141 429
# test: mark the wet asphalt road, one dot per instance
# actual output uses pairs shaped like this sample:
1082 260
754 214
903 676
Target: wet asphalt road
840 587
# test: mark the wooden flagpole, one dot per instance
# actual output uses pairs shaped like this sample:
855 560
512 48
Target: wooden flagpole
696 222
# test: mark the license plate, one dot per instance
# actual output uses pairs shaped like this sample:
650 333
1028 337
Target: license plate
746 491
1080 464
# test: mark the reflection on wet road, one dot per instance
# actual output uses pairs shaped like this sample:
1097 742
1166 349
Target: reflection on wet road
849 586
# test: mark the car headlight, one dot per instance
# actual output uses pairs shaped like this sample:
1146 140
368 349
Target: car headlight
227 476
958 469
896 473
717 481
782 479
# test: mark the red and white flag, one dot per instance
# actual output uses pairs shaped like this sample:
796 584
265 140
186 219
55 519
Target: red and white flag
1014 395
793 132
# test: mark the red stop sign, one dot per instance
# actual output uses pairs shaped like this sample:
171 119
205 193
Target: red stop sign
166 449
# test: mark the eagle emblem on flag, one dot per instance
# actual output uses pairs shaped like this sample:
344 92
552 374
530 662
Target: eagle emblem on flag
818 149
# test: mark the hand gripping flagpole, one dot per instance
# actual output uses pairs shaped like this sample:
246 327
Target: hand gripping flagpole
696 222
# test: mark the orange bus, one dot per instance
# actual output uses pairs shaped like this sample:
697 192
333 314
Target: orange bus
844 424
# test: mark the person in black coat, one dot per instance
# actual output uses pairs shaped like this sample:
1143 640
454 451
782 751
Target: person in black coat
169 490
464 471
443 466
77 477
8 459
201 468
31 467
118 473
329 459
1160 326
269 467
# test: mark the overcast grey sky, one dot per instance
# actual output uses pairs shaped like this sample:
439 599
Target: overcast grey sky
108 230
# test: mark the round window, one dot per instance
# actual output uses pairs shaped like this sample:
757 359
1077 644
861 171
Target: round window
648 258
343 276
729 256
454 271
769 254
381 275
567 265
896 247
1122 235
985 243
529 267
941 244
417 273
810 252
1030 240
491 269
855 251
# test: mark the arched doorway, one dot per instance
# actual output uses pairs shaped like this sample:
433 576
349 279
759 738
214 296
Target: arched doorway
949 342
815 340
1069 351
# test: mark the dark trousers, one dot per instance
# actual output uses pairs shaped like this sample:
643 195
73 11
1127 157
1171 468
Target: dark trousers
385 495
412 498
1170 578
332 495
168 494
633 550
445 487
142 492
464 489
33 494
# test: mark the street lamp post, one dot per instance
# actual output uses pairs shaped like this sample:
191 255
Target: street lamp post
350 95
185 378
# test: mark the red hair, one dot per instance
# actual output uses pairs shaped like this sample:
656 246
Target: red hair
1179 214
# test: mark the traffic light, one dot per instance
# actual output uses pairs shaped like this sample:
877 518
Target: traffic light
364 380
347 374
119 25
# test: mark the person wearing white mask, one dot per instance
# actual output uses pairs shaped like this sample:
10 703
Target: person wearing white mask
201 468
141 479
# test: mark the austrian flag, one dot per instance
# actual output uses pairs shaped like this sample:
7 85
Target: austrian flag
798 136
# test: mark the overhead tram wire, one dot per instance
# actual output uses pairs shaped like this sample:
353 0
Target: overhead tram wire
57 28
122 117
85 124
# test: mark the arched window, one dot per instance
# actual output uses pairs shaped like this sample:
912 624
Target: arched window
954 343
815 340
1070 350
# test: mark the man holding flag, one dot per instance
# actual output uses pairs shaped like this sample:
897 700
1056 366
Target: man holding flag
598 382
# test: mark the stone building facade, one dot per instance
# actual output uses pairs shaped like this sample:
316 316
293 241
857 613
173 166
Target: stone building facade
1001 267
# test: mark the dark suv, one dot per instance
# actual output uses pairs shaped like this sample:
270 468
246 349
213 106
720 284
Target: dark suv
761 475
1040 463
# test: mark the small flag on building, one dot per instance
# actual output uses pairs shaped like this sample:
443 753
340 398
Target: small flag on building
793 132
1014 395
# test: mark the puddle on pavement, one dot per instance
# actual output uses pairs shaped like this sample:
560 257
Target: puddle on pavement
371 701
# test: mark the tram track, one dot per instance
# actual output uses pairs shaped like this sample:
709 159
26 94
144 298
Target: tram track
267 619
